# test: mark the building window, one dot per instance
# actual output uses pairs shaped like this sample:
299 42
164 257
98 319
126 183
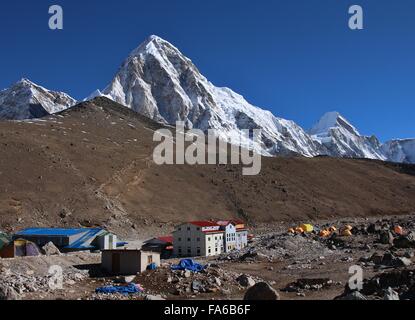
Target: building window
188 228
209 239
210 250
180 229
180 239
198 239
216 238
149 260
198 251
189 250
216 249
189 240
198 228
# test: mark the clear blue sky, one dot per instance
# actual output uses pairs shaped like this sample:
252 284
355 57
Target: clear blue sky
296 58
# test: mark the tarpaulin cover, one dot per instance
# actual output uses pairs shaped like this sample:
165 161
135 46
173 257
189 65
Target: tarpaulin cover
188 264
126 290
152 266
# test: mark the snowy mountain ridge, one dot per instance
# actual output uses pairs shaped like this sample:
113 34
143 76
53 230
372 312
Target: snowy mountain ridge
27 100
158 81
342 139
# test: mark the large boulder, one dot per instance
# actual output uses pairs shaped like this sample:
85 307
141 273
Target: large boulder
50 249
390 294
386 237
402 262
355 295
245 281
261 291
404 242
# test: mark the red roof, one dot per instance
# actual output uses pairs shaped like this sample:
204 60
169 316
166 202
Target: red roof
204 223
168 239
234 222
224 222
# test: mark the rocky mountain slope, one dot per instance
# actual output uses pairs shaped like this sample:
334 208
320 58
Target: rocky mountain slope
27 100
92 165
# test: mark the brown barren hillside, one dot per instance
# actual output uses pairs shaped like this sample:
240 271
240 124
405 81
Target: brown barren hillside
92 165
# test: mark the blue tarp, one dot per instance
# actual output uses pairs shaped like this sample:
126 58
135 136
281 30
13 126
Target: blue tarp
188 264
152 266
84 242
126 290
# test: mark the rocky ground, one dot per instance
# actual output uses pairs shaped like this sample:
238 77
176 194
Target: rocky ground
290 266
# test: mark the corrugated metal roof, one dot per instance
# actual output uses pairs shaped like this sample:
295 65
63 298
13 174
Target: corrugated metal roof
204 223
84 242
168 239
54 231
224 223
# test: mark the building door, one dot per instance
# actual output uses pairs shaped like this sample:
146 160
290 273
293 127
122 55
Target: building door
116 263
111 242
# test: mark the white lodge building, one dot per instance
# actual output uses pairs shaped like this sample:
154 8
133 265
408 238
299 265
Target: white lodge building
229 239
236 234
241 234
198 238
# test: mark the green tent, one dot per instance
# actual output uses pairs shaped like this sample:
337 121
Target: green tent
4 240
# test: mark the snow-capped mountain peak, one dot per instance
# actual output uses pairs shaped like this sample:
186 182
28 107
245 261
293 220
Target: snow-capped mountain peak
154 45
158 81
333 120
27 100
342 139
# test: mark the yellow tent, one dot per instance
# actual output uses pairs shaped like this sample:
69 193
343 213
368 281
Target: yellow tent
307 228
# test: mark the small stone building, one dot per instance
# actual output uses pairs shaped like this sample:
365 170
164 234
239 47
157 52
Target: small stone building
128 262
162 245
